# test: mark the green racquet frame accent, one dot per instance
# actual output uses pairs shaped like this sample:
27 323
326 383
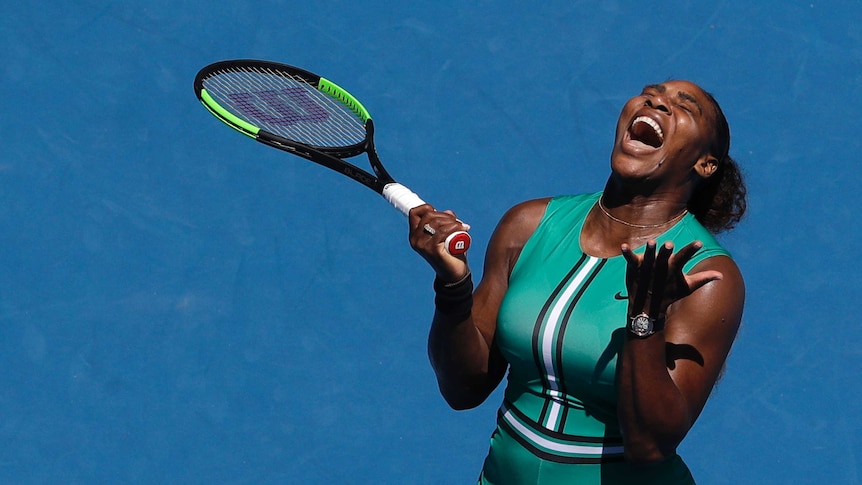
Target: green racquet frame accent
346 98
235 122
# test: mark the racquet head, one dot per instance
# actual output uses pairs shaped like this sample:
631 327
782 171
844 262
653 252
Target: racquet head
261 97
300 112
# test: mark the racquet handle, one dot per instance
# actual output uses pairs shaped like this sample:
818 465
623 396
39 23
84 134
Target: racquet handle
458 243
401 197
405 199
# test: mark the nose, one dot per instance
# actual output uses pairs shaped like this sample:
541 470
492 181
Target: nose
659 103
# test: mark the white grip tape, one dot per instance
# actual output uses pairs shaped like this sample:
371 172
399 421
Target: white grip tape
401 197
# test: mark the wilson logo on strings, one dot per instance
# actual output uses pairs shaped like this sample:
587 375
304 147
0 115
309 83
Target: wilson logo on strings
281 107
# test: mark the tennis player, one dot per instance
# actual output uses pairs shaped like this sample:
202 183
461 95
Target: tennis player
613 312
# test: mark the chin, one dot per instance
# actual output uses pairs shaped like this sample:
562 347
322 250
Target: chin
633 165
635 174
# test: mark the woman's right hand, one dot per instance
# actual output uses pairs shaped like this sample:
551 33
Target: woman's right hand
432 247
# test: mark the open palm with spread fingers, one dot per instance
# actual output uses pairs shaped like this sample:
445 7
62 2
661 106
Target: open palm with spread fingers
656 279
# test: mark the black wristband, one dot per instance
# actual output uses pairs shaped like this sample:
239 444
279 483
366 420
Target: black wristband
454 300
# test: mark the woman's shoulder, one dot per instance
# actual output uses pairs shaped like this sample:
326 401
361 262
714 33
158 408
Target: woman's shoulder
519 222
536 209
528 209
691 230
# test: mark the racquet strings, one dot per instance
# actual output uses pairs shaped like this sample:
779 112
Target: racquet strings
286 105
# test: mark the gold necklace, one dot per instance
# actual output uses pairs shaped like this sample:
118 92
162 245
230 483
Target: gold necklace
640 226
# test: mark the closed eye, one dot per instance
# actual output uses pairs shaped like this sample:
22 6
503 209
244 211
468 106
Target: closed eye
686 100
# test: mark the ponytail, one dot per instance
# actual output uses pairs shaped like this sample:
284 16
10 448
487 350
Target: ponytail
719 202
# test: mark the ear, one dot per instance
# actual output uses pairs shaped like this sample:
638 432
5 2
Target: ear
706 165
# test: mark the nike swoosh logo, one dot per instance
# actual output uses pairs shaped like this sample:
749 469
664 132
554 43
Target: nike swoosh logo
619 296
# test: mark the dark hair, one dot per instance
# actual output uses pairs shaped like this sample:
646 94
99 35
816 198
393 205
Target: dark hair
719 201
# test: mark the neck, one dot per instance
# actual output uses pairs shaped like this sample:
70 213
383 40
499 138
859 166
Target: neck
644 217
644 205
608 226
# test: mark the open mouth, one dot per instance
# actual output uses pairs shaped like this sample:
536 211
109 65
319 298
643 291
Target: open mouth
647 131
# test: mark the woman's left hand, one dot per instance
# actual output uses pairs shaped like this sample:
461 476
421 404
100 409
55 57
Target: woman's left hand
655 279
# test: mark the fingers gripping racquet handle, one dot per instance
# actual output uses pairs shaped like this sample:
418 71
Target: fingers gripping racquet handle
401 197
405 199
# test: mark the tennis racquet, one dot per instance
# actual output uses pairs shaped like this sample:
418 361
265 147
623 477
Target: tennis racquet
304 114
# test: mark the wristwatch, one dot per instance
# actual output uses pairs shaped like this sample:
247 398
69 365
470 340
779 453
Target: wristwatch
642 325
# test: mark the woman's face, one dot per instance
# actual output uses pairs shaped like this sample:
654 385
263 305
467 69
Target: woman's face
664 133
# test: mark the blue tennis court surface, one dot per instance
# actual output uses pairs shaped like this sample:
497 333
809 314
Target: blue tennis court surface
179 304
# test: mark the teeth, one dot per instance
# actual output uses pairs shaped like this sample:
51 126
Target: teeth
652 123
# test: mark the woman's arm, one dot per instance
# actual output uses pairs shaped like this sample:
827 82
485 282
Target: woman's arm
665 379
461 345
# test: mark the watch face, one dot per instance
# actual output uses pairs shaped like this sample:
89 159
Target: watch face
642 325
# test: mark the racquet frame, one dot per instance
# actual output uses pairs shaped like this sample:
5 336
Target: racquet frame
380 181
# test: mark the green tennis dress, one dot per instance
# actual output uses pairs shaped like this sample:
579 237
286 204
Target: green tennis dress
561 327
